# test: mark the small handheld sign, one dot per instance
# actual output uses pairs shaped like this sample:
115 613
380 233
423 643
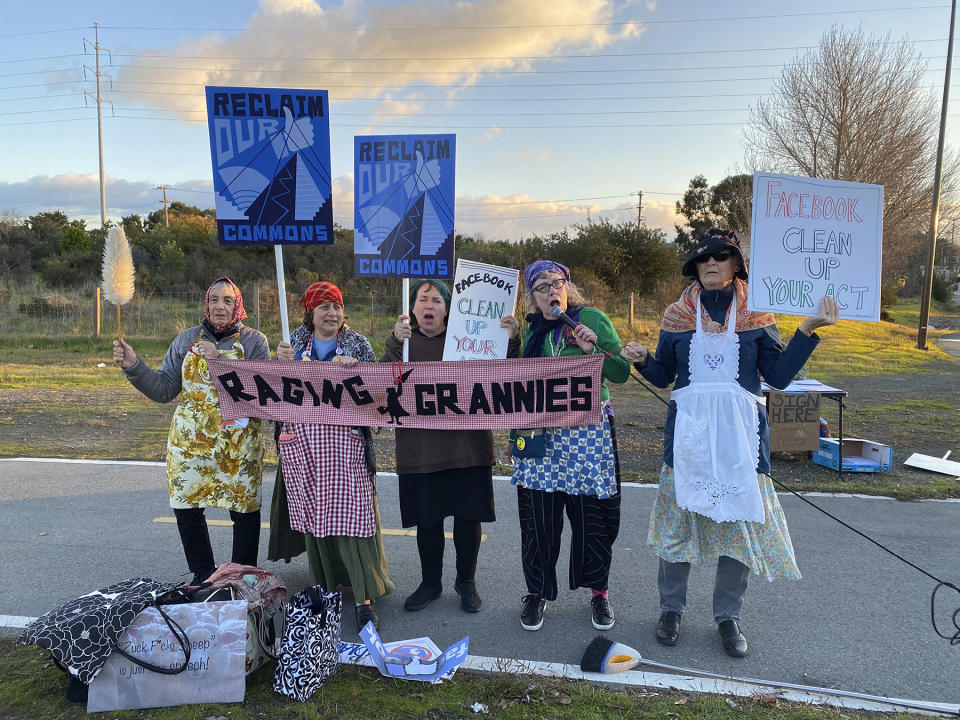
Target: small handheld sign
482 295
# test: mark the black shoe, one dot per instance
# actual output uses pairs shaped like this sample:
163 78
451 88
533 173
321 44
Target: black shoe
602 613
469 597
531 612
734 643
668 628
365 614
421 597
199 578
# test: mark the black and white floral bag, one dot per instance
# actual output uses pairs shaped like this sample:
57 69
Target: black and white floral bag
309 650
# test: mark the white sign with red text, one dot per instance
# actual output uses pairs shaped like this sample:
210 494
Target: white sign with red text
813 237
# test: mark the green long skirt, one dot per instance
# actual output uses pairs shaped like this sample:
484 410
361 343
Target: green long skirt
355 562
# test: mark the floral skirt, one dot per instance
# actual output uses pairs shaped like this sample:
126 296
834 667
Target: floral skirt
680 535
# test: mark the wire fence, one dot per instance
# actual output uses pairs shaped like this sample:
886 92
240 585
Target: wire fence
33 312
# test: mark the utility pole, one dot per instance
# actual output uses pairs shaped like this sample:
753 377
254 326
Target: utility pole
99 100
166 218
639 208
937 178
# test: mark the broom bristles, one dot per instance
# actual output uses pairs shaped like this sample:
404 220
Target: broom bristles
606 656
118 274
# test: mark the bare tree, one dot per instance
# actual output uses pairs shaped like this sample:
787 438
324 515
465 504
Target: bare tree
855 108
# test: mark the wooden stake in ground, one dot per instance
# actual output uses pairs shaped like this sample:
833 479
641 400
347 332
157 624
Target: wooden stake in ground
117 282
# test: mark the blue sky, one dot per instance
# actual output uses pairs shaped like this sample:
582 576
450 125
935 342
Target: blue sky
562 110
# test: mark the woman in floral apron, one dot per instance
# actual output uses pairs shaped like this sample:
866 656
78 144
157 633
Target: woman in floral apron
716 498
328 472
208 465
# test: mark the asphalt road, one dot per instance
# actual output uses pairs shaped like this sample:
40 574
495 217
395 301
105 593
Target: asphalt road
859 620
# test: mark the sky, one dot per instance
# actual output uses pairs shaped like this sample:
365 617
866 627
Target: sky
563 110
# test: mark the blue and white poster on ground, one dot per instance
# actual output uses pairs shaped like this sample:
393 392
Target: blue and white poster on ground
404 205
812 237
271 165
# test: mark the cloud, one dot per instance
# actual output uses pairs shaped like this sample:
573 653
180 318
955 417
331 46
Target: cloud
491 133
541 158
368 49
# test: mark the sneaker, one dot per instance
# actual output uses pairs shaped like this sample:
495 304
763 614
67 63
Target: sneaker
602 612
469 597
421 597
365 614
531 612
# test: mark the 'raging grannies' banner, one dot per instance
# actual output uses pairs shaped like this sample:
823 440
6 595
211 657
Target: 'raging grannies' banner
813 237
404 205
271 165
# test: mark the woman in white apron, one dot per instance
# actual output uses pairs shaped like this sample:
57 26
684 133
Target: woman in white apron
207 465
716 498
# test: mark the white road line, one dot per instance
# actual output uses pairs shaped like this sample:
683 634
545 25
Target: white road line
499 478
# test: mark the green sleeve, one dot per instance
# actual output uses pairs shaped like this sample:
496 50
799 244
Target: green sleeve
615 368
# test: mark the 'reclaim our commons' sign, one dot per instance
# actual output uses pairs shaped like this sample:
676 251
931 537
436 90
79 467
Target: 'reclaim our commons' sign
271 165
812 237
404 205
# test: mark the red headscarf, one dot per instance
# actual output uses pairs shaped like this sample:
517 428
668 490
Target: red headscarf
682 315
238 312
319 293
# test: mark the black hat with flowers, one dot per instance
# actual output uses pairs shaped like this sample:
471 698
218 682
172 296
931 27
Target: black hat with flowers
715 240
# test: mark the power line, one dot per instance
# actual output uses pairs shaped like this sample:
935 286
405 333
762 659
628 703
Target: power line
612 23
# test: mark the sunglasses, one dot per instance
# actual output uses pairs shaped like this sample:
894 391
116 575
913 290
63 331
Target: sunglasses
719 256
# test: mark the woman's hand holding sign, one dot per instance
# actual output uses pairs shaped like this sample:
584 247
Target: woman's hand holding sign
828 314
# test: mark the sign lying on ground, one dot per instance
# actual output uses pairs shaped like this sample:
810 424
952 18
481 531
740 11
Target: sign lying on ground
404 205
812 237
482 295
271 165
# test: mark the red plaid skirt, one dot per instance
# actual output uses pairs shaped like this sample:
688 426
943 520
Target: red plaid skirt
329 491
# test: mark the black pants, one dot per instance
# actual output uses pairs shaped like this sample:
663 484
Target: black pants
430 542
594 526
196 539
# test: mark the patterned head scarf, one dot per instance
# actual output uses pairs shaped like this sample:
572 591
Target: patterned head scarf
538 267
319 293
238 312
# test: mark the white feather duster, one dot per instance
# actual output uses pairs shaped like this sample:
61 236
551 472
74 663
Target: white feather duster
117 268
117 282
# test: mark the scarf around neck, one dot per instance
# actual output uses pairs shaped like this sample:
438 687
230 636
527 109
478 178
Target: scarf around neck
540 326
681 315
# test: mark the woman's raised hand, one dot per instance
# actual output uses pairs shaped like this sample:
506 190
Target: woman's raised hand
123 354
208 350
828 314
509 322
402 330
634 352
284 351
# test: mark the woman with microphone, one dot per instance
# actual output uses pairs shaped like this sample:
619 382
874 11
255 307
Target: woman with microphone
578 471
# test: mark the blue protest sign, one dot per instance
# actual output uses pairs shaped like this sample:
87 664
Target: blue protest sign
404 205
271 165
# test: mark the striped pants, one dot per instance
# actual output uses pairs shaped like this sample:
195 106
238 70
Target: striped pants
594 525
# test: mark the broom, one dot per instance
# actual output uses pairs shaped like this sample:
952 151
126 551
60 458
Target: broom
117 281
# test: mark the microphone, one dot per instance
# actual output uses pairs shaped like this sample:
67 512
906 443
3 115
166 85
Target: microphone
557 314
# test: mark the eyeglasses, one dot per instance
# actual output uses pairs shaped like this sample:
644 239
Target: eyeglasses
719 256
544 288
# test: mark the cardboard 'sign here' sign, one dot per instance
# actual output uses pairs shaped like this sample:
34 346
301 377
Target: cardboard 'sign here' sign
482 294
271 165
813 237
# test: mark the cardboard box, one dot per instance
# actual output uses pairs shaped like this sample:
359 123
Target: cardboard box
858 455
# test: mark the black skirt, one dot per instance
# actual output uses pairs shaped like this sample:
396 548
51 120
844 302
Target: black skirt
464 493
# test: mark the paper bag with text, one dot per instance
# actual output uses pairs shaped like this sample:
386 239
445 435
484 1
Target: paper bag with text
794 420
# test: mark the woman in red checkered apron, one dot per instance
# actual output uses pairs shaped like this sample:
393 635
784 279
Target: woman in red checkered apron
329 470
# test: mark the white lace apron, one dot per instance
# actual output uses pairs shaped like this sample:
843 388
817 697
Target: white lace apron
716 439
